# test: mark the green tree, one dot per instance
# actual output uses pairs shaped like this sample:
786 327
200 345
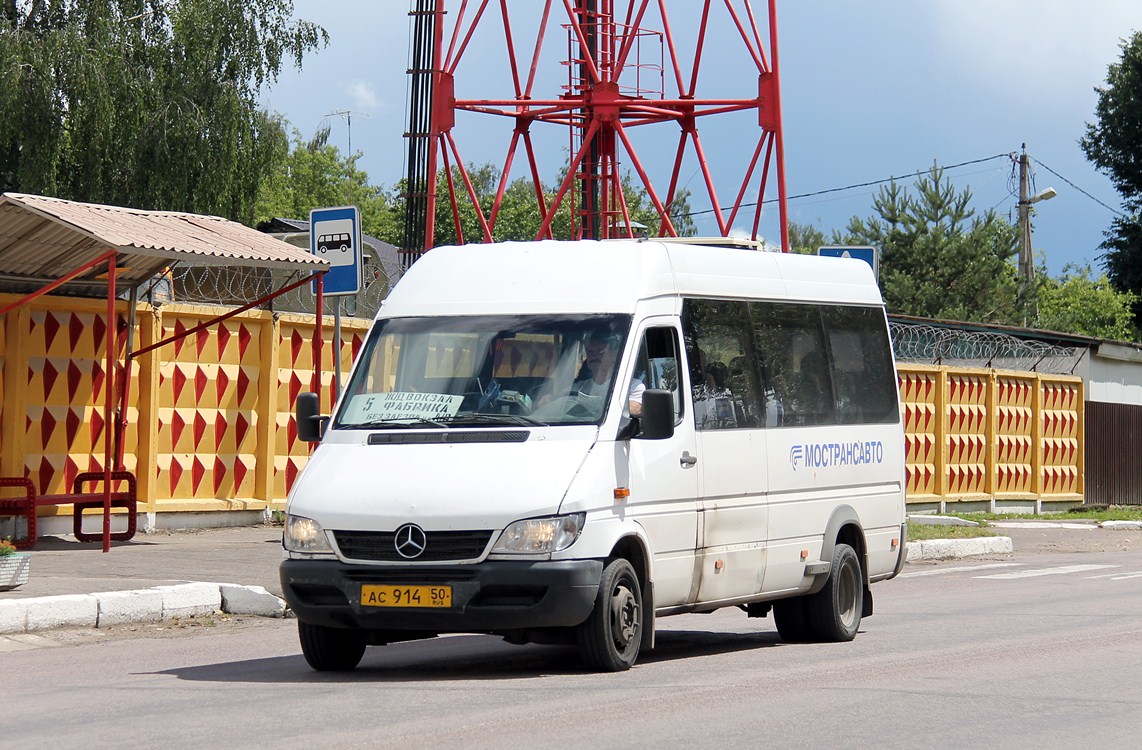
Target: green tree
1077 303
144 103
804 239
313 174
519 217
1114 145
938 258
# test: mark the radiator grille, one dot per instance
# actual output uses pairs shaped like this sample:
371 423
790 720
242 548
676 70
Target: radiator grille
441 546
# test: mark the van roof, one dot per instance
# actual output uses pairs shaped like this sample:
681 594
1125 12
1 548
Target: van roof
590 276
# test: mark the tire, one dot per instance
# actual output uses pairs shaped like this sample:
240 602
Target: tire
835 611
330 649
609 639
791 616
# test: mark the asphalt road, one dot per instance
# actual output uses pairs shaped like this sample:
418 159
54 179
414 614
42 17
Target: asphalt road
1027 651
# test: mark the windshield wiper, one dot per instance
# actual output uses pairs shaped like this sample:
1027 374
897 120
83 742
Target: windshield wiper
389 423
509 419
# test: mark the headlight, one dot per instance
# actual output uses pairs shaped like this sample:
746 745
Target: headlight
538 536
305 535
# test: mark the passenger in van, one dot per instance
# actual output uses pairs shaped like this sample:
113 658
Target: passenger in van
814 401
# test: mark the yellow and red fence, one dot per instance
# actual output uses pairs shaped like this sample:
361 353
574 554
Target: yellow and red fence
999 437
211 426
209 417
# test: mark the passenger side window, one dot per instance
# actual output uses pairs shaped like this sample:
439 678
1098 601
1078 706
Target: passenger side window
863 375
724 379
798 382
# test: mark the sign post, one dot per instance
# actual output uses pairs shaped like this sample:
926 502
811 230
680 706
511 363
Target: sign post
335 235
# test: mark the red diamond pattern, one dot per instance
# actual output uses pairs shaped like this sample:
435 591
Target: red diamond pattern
219 473
199 428
197 472
244 337
223 339
51 328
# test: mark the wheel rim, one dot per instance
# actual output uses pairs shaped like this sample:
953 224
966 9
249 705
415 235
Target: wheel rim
847 592
625 617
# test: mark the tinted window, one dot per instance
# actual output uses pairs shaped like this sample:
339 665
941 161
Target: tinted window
724 377
795 364
863 380
773 364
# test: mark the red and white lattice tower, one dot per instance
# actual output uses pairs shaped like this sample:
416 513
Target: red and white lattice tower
625 72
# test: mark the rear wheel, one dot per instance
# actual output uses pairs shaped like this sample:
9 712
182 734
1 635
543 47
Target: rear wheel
835 611
609 639
330 649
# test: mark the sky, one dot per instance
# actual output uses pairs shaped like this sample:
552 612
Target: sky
869 91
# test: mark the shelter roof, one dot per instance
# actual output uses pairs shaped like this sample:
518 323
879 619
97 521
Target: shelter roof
42 239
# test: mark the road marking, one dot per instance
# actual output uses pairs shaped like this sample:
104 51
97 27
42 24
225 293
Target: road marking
1062 571
1126 576
961 568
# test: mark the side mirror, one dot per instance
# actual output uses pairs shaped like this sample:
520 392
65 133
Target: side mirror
310 423
657 418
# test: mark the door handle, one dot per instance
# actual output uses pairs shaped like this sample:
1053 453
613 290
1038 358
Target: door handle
687 459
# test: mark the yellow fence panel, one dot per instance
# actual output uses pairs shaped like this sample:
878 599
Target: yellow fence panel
1014 434
920 398
966 432
1061 438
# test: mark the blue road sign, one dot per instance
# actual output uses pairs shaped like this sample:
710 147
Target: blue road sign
867 253
335 235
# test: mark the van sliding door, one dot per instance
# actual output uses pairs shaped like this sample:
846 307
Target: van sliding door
728 419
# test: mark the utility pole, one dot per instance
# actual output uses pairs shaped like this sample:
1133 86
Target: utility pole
1026 257
1026 261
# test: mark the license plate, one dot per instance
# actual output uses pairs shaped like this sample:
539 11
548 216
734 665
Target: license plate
406 596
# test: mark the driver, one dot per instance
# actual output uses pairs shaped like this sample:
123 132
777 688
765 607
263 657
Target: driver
602 353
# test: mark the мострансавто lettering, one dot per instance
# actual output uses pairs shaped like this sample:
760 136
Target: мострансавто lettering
824 455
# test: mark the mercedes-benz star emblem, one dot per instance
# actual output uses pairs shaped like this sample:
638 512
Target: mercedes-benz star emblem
410 541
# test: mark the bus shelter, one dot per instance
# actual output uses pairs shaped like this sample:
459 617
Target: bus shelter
49 245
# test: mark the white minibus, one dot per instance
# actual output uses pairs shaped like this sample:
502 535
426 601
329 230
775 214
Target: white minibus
559 442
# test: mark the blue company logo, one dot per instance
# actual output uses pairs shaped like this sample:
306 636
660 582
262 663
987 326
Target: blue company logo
827 455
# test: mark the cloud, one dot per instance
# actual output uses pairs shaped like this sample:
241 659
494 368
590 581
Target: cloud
364 98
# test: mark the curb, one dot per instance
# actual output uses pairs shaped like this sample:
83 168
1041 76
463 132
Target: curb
140 605
951 549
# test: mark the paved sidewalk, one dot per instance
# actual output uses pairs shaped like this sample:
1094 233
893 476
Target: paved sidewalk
152 577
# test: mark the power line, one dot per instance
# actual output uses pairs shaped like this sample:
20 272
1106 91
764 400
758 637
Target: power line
1076 187
866 184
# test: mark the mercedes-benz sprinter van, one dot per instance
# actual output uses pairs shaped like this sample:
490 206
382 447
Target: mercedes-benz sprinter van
560 442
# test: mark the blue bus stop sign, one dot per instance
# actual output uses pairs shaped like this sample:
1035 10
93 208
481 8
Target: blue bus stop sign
867 253
335 235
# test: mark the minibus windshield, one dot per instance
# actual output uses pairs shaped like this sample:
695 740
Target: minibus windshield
464 371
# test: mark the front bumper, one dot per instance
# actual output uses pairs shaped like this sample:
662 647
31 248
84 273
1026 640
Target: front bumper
491 597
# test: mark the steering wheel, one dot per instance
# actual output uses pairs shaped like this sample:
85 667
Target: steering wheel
571 405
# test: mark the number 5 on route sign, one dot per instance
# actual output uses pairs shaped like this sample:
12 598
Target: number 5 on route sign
335 236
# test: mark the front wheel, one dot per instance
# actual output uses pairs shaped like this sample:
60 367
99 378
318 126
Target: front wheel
791 616
835 611
330 649
610 637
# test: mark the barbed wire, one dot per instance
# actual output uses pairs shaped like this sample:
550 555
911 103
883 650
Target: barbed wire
927 344
237 286
912 342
